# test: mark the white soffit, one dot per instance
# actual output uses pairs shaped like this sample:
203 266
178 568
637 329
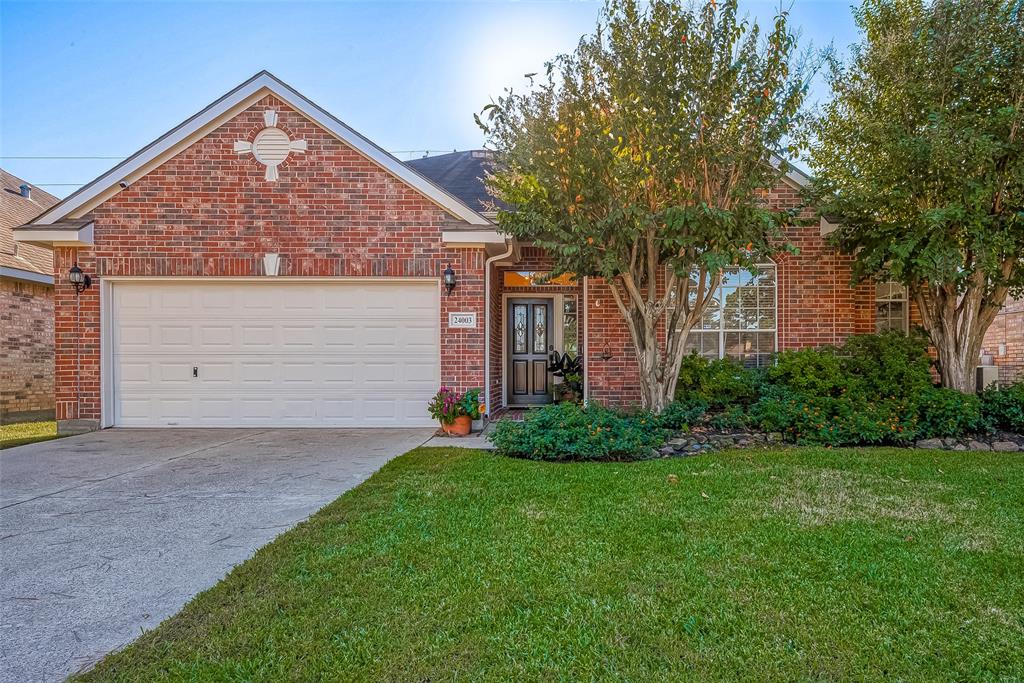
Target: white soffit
239 99
60 236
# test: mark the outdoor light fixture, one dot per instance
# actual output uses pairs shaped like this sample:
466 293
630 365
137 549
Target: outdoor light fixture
79 279
449 279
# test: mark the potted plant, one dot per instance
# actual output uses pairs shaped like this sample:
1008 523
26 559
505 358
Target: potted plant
455 411
570 370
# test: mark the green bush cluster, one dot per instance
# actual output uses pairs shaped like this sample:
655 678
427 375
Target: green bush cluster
875 389
1004 408
568 431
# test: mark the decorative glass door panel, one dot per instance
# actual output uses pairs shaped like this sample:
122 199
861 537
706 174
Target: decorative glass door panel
530 341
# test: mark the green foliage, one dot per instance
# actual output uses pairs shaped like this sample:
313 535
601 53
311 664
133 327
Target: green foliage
892 364
834 421
717 383
889 365
1004 408
733 417
947 412
448 404
921 154
682 414
815 372
567 431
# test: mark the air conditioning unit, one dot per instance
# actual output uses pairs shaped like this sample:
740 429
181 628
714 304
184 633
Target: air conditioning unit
987 376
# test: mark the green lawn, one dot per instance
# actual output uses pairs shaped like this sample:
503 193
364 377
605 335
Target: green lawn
26 432
802 564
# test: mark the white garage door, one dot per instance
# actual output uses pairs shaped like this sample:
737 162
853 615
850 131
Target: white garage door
208 354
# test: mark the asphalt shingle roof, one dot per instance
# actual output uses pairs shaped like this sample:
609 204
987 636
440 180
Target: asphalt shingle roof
461 174
16 210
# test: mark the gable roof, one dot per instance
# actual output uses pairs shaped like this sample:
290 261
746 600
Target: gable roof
462 174
171 143
14 211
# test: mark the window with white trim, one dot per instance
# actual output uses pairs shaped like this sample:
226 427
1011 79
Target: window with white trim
740 322
892 310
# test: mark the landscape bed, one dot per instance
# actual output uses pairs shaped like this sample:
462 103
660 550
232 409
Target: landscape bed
789 563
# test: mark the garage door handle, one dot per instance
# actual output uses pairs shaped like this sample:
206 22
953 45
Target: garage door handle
195 371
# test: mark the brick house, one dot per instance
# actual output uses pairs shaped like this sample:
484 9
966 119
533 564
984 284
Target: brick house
263 264
26 308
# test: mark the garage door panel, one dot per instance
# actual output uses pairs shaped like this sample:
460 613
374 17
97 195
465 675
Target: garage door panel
267 354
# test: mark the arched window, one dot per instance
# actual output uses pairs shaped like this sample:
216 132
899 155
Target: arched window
741 321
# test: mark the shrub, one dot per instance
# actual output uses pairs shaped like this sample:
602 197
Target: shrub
947 412
681 414
1004 408
814 372
846 420
717 383
567 431
890 364
733 417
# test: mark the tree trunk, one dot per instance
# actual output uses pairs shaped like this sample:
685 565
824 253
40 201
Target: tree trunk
659 349
956 324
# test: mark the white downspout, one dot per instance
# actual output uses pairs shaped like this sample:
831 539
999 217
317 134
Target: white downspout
487 323
586 343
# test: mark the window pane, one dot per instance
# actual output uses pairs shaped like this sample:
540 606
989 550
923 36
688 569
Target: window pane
519 328
540 328
569 330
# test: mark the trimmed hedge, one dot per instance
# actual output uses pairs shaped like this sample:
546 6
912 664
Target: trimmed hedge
567 431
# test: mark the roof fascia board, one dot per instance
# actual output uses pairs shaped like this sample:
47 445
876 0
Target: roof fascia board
27 275
169 144
464 238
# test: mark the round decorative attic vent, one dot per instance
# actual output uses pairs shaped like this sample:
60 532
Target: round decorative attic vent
271 145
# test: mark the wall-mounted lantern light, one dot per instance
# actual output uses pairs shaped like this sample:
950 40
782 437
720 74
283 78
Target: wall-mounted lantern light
271 263
449 279
80 280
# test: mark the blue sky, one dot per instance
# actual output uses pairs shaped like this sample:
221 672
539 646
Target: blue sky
106 78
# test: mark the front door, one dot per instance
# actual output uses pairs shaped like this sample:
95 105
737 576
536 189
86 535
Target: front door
530 340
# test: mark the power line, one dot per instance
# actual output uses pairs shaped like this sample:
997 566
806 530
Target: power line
61 158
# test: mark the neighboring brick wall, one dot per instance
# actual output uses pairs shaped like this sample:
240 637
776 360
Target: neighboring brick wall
209 212
26 351
1007 332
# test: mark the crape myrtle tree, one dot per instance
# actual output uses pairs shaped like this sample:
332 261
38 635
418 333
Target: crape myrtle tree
642 157
919 158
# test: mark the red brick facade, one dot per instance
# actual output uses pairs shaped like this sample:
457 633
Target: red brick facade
210 212
26 351
1004 342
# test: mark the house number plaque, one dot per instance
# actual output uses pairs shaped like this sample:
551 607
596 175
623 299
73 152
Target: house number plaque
462 320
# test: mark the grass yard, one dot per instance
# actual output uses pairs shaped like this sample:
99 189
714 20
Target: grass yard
802 564
26 432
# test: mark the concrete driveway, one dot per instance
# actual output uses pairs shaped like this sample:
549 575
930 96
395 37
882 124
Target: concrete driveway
105 534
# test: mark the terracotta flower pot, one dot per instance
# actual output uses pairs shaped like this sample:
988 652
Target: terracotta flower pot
460 426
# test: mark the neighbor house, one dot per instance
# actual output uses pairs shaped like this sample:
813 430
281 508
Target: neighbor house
263 264
1004 343
26 308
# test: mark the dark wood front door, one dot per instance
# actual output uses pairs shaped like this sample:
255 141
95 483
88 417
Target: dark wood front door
530 340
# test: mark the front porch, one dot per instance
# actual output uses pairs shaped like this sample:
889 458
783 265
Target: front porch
532 317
